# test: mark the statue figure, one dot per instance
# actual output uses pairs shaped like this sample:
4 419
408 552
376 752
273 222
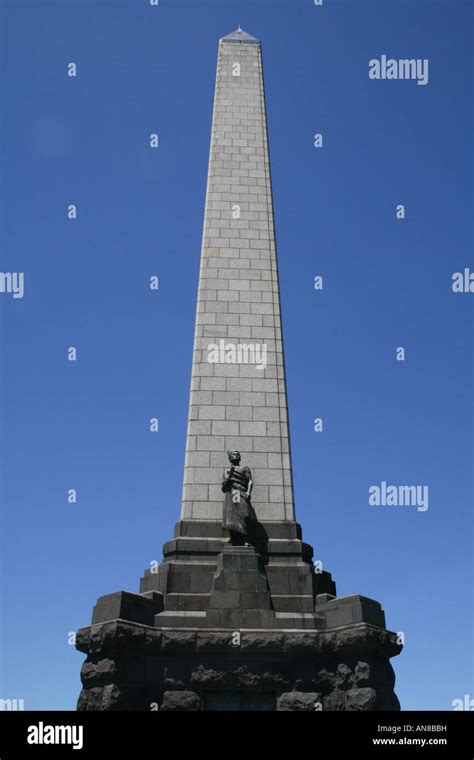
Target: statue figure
237 485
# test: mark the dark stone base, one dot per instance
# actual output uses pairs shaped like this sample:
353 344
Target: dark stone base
240 628
137 667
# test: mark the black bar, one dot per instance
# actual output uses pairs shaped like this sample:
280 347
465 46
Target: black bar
188 734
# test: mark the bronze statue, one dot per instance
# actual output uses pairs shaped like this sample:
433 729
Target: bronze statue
237 485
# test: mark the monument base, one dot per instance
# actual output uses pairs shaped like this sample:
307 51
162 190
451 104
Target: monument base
235 642
136 667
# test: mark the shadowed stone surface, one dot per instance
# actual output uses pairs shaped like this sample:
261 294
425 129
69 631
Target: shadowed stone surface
134 667
298 701
180 700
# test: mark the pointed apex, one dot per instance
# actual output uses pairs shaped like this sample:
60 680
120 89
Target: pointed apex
240 36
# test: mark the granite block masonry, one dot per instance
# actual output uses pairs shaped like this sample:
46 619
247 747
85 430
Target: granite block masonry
238 405
220 626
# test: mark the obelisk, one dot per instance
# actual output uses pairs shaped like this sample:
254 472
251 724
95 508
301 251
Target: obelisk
236 616
238 404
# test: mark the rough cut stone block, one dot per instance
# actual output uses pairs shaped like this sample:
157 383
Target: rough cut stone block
297 701
187 701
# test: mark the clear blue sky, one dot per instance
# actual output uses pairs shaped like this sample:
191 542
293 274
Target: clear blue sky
84 425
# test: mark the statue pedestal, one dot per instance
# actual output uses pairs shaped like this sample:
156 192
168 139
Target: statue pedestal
240 597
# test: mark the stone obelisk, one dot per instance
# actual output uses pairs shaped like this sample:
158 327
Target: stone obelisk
238 404
236 616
